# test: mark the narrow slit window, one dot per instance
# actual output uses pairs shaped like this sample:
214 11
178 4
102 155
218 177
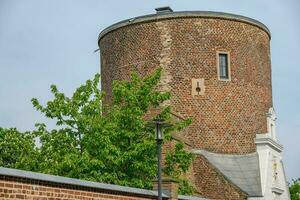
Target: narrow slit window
223 66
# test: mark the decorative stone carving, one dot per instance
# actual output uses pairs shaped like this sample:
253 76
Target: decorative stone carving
271 118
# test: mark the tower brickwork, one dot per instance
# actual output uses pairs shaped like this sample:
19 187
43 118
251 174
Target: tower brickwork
227 114
217 68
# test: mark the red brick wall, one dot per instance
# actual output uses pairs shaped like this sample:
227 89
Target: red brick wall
230 113
20 188
210 183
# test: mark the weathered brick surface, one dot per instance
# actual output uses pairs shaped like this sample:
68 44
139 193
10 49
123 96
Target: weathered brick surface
119 48
16 188
210 183
230 113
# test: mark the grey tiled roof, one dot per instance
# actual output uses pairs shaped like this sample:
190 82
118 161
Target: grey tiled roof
241 170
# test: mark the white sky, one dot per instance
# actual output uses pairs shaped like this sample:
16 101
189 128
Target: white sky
44 42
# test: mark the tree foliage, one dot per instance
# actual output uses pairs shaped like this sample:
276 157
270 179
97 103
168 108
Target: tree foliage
178 162
97 142
295 190
17 150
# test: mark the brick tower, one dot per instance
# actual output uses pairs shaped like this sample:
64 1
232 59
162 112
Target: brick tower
218 70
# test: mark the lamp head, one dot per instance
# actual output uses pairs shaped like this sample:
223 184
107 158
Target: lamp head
159 131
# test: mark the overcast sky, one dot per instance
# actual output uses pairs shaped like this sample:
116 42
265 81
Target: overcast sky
44 42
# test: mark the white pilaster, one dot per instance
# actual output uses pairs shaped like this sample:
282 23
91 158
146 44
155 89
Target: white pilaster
273 180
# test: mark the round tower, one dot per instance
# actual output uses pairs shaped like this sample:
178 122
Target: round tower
216 66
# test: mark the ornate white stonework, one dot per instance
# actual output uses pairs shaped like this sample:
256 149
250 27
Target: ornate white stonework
273 181
271 118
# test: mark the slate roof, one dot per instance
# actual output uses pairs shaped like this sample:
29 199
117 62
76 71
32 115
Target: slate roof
241 170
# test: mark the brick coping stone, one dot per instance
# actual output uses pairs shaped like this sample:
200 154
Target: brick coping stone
183 14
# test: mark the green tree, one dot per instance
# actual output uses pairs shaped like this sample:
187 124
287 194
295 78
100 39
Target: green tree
106 143
17 150
178 162
295 190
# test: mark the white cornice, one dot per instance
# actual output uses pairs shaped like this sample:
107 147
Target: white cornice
264 139
277 190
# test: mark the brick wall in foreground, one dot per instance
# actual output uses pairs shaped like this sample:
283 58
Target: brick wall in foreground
19 184
16 188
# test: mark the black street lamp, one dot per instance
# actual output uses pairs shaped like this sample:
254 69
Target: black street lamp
159 138
159 125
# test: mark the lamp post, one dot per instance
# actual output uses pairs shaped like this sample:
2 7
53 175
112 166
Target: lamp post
159 125
159 139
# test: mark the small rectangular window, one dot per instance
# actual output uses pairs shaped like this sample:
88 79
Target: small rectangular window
223 66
